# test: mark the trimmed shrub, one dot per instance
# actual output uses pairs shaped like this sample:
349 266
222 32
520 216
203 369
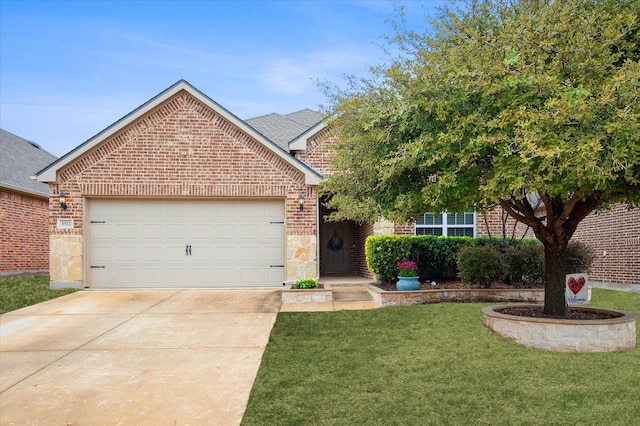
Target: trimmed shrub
384 252
436 256
580 257
480 265
525 263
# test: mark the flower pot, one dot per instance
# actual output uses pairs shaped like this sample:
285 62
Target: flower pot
408 283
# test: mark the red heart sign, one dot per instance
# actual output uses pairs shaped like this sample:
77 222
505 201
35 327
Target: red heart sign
576 285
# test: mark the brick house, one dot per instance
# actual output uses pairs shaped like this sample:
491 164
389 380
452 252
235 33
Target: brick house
24 207
182 193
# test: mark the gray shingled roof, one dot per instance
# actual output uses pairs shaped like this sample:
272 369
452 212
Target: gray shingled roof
282 129
19 160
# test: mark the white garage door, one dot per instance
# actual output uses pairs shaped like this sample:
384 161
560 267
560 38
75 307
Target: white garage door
186 243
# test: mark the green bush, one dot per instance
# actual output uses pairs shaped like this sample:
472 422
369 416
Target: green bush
383 252
480 265
522 261
306 283
525 263
436 256
580 257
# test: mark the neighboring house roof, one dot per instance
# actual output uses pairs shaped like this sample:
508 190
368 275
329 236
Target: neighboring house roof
19 160
49 174
282 129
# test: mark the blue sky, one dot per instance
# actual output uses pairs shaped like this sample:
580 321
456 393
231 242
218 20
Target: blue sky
68 69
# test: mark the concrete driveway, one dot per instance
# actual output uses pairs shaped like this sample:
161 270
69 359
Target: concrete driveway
159 357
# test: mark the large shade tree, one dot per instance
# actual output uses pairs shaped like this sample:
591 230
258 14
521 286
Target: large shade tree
499 104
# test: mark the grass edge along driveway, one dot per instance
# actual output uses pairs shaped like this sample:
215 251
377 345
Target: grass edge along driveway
25 290
434 365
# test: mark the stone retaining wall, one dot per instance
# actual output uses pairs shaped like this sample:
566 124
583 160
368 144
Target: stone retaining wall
419 297
308 295
560 335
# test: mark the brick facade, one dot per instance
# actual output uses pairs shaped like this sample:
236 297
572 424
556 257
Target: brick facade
24 233
184 149
498 224
318 152
615 237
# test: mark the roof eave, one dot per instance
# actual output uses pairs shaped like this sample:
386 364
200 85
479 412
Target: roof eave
24 191
300 143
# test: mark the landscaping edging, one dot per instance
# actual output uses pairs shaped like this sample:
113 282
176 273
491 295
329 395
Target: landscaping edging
420 297
562 335
307 295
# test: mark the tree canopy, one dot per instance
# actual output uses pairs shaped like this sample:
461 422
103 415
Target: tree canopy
497 100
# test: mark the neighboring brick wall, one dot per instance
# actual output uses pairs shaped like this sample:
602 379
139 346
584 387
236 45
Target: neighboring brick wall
615 237
318 153
497 223
183 149
24 236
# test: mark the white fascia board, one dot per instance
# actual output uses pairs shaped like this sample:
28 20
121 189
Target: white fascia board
300 143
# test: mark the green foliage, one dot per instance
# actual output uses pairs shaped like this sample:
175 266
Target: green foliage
500 98
383 252
579 257
498 103
481 265
436 256
21 291
525 263
306 283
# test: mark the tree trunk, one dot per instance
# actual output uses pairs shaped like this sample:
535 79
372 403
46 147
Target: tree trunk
555 303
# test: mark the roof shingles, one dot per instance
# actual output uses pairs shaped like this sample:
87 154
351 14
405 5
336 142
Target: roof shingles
19 160
282 129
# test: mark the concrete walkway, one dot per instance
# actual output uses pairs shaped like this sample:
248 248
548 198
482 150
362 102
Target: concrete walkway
159 357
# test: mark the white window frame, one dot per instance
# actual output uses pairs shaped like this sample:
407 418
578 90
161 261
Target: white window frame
445 224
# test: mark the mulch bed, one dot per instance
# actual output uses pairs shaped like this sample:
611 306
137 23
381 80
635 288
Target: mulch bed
448 285
538 312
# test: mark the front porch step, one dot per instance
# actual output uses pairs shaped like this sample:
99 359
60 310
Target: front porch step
351 293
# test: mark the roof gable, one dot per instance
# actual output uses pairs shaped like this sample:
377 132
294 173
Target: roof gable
19 161
50 173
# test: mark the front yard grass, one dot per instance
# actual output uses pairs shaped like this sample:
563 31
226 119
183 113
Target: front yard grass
435 365
18 292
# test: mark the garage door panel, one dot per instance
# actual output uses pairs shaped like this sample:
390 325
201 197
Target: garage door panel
273 274
152 231
249 253
126 231
176 231
273 254
142 243
203 231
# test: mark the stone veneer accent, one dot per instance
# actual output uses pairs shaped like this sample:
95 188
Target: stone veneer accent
419 297
561 335
383 227
309 295
302 257
65 261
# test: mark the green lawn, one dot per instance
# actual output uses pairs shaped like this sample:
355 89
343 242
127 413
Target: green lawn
435 365
18 292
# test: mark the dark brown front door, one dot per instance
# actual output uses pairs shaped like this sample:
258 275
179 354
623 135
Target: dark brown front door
334 253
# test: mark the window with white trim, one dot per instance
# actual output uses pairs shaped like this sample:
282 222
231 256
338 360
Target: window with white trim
447 224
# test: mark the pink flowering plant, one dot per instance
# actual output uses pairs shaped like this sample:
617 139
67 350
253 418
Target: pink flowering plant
408 268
